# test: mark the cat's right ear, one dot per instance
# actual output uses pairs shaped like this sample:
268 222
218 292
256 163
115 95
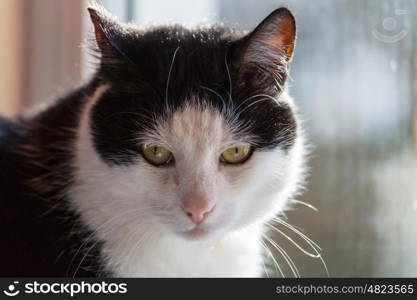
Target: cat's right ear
109 35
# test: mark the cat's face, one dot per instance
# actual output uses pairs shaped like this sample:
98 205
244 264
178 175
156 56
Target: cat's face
190 131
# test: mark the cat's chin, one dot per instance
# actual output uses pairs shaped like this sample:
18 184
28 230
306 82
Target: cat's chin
199 233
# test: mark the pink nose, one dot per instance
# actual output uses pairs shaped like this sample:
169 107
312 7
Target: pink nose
197 210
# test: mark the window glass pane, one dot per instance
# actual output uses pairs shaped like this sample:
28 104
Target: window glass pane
118 8
144 12
189 12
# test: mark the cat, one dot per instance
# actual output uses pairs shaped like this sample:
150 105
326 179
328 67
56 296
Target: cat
169 162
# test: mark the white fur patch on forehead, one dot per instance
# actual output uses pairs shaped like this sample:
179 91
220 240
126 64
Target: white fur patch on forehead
194 127
199 126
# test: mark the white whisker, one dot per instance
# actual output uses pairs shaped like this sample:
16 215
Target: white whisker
316 248
276 264
293 242
286 257
169 77
305 204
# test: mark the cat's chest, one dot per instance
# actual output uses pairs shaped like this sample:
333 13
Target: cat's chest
236 257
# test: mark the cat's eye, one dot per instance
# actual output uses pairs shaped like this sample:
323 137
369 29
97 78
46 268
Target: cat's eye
237 154
156 155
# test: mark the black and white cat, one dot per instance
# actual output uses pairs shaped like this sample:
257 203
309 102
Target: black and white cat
168 163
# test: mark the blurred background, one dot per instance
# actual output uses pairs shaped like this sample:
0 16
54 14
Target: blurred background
354 78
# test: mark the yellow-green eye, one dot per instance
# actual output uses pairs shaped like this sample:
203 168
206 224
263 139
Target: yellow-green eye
156 155
237 154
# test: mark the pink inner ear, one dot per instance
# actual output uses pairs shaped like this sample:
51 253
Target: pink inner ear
276 35
283 40
98 26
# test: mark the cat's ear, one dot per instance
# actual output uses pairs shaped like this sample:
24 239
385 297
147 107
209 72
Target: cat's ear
268 49
272 41
109 35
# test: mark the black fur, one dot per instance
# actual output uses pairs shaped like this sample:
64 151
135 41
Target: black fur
40 232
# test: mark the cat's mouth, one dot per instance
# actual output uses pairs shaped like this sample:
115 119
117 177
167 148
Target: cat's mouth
199 232
196 232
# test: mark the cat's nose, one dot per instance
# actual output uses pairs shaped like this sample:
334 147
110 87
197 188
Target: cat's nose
198 210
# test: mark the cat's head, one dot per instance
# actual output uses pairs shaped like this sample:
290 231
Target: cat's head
190 131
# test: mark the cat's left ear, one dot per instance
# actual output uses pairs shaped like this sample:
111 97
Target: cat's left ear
268 49
273 40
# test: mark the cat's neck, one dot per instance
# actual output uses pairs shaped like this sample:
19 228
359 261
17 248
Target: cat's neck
155 254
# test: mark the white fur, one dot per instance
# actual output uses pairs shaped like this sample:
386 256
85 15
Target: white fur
136 209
